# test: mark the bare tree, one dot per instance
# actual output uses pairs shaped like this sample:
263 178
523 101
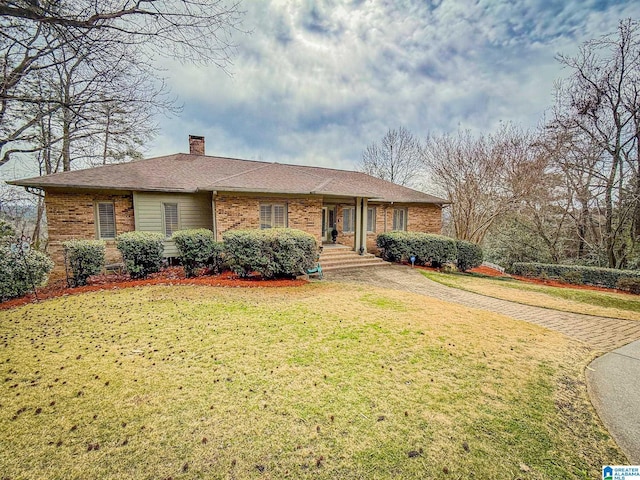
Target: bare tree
486 177
397 158
599 104
38 37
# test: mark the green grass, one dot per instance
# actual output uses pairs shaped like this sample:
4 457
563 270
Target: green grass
322 381
607 304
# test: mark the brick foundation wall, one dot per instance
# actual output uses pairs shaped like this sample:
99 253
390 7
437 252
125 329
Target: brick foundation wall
72 216
237 211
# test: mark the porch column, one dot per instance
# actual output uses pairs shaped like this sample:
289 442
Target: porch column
360 224
365 226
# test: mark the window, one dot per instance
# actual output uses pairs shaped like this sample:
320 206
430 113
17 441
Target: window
347 219
171 223
399 219
273 216
371 220
106 220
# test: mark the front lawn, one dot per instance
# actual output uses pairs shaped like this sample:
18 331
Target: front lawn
590 302
321 381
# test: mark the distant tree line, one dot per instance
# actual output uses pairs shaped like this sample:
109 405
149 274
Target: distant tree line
567 192
79 81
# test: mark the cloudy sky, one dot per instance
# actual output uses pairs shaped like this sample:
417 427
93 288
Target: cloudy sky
315 82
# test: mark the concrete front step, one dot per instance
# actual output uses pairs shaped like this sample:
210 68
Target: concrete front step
339 258
353 264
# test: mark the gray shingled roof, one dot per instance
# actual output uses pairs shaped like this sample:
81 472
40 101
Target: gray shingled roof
192 173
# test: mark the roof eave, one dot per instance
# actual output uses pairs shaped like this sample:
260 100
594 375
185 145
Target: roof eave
45 186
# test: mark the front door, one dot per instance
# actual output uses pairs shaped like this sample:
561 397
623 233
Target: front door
328 222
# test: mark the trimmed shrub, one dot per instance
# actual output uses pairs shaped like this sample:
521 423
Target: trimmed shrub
576 274
198 249
627 284
399 246
394 246
20 272
84 258
274 252
141 252
469 255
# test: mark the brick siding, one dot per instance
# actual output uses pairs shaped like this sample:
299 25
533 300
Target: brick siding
237 211
72 216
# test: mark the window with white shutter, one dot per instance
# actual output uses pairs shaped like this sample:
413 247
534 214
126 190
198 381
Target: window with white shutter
273 215
171 221
348 219
371 220
106 220
400 219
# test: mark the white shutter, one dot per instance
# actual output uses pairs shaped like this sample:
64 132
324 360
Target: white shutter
347 219
371 219
106 220
279 216
170 218
265 216
399 219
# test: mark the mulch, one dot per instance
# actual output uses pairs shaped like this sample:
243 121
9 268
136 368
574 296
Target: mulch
175 276
169 276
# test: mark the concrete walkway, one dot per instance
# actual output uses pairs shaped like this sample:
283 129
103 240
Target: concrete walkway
599 333
613 379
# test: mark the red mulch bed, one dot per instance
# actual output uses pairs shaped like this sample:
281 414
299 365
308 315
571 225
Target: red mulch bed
491 272
169 276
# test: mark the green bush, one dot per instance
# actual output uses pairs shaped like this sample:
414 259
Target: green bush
6 230
469 255
20 272
198 249
576 274
84 258
141 252
394 246
274 252
399 246
629 285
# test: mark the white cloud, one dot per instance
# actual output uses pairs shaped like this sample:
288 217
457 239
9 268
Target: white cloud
316 82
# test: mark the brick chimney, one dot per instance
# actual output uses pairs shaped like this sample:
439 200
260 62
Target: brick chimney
196 145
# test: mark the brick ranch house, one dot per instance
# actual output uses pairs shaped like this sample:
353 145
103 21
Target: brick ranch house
194 190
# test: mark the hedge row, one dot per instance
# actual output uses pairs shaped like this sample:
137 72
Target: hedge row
428 248
274 252
579 275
